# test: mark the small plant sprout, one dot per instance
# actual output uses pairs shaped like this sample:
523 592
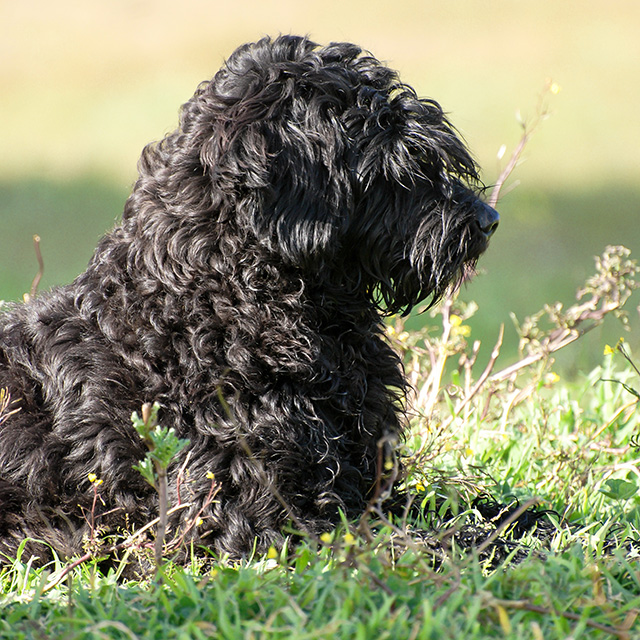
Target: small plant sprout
163 445
95 483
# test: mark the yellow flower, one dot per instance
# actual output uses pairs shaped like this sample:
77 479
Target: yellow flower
420 487
94 480
459 329
463 330
211 475
272 554
326 537
553 377
608 350
349 538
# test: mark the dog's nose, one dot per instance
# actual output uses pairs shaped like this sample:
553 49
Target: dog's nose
487 218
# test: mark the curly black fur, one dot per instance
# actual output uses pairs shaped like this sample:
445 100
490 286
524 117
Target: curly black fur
306 193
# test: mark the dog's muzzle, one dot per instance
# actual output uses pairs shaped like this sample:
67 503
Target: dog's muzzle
487 218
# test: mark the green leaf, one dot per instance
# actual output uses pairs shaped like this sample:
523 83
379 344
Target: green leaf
618 489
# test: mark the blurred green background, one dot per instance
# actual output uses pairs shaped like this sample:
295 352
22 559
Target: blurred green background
84 85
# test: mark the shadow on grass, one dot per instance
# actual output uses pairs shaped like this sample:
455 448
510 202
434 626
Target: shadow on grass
69 217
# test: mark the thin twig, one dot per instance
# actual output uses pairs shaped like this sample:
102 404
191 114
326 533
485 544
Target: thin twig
112 549
528 606
163 502
214 489
508 170
428 395
38 276
556 340
485 374
527 131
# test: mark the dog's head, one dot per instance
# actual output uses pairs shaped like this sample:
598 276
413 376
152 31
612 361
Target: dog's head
329 161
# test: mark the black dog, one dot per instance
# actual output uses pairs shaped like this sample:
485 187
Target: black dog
306 193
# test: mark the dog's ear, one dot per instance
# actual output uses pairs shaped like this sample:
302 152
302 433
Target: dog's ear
277 148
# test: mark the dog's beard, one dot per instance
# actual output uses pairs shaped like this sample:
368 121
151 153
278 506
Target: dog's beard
422 262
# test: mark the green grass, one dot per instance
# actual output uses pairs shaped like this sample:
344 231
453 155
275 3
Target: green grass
319 596
69 216
571 447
